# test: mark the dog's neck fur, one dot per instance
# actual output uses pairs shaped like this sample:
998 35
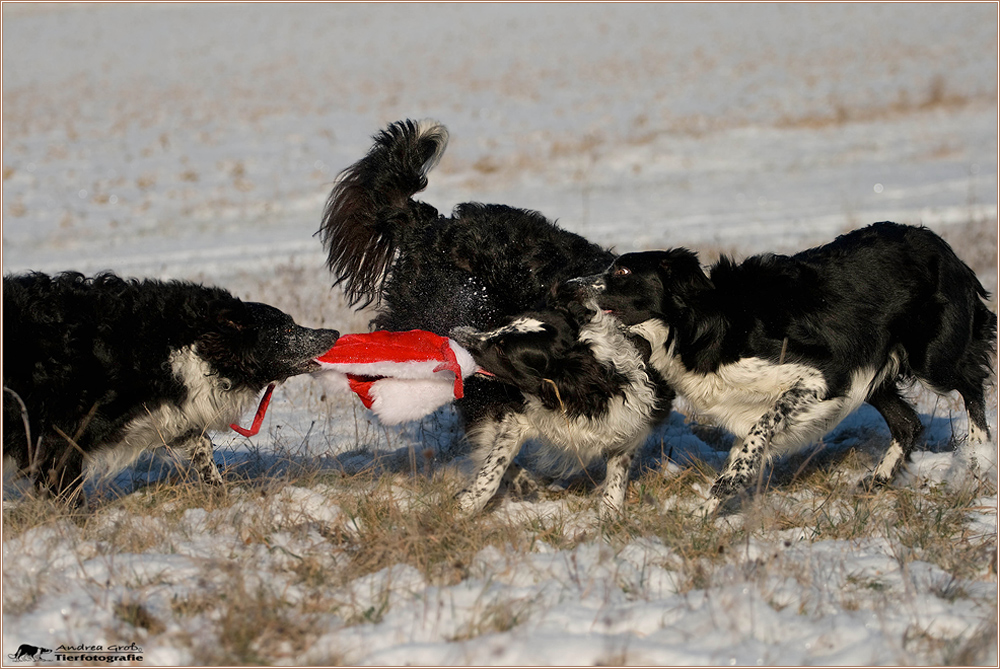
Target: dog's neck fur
696 330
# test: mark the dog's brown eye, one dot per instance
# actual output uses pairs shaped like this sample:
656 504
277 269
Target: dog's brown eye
621 271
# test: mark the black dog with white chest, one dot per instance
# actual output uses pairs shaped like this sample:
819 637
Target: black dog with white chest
109 367
779 349
588 392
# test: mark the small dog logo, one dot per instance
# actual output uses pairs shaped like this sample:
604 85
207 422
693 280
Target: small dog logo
26 652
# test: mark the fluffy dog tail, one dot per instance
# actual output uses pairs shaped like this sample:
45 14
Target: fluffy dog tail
370 207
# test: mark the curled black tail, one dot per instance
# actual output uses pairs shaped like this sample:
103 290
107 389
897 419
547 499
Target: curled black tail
371 203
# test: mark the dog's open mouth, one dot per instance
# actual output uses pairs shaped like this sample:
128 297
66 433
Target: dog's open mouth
310 366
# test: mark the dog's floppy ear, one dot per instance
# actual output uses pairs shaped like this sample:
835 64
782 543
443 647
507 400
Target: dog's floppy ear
682 274
531 367
231 321
578 385
230 330
230 315
529 361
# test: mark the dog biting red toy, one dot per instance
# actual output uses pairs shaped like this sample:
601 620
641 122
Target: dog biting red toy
400 376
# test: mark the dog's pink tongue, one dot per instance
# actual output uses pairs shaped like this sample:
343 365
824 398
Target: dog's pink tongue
258 417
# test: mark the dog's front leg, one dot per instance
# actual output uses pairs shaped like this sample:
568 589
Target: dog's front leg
496 442
616 480
615 485
198 449
747 455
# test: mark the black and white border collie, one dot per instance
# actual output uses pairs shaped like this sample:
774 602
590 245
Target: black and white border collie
106 367
478 268
587 392
779 349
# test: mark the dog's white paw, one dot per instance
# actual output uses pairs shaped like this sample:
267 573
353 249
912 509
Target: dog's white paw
469 503
707 508
519 482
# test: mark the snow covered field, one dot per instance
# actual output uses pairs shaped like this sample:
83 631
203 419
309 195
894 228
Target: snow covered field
200 142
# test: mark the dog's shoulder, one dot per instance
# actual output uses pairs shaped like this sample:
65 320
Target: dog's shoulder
753 307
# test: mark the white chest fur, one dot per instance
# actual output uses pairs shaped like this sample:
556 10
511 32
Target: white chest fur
626 418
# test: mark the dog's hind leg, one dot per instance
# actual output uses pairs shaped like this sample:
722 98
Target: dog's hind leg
198 449
905 428
975 405
978 368
967 455
496 442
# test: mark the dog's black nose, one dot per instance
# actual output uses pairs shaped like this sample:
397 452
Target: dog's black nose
314 343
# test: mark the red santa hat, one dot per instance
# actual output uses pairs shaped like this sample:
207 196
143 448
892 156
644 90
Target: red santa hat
400 376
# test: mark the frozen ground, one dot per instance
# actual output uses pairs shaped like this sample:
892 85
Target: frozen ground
200 141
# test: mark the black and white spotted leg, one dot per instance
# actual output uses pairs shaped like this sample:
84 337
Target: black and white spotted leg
198 449
747 455
615 485
497 443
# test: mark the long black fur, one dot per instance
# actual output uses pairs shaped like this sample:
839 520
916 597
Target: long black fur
92 356
477 268
889 297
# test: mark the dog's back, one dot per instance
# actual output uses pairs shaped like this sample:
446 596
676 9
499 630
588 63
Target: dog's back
883 286
947 330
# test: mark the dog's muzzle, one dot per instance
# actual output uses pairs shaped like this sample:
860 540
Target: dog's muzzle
303 345
585 286
466 336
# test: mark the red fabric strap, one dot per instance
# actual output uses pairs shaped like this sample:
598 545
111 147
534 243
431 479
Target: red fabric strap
258 417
